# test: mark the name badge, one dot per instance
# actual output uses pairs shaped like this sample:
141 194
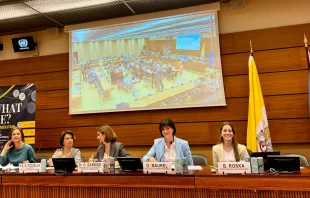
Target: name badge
90 167
29 167
225 168
157 167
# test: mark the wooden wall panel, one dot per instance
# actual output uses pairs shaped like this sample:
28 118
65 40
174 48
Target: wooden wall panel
266 61
292 82
206 133
44 81
237 109
265 39
35 65
53 99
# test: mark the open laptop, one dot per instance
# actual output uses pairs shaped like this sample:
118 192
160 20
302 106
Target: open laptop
64 164
284 163
131 164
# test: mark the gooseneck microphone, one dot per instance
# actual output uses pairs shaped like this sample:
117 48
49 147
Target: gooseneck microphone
165 151
40 146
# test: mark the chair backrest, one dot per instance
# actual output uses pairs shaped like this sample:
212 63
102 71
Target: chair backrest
303 160
38 159
200 160
249 152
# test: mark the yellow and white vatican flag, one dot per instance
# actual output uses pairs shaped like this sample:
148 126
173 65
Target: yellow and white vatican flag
258 136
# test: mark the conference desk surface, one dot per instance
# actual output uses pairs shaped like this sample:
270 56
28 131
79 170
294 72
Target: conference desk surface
114 179
193 184
253 185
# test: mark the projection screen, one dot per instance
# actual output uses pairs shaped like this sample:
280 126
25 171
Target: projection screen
162 63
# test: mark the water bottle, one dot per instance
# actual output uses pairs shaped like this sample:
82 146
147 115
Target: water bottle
178 166
106 164
43 165
112 164
184 165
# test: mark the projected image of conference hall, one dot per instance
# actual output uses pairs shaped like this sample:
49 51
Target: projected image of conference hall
171 62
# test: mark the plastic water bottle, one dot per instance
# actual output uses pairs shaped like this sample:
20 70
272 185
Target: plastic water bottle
112 164
178 166
184 165
106 164
43 165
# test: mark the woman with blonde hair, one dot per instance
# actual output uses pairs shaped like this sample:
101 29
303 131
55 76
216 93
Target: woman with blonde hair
228 150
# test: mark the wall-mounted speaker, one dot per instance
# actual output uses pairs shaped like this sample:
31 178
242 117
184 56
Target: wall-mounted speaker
237 5
1 47
52 31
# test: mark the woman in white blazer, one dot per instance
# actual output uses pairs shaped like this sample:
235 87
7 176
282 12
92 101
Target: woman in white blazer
228 150
168 147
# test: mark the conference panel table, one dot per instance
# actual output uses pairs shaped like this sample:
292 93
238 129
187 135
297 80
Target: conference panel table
97 185
198 184
293 185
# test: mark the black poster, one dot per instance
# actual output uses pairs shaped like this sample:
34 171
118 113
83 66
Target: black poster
17 108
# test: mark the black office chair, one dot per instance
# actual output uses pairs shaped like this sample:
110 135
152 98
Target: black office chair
39 158
199 160
303 159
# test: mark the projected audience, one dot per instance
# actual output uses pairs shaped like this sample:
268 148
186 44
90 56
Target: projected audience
146 73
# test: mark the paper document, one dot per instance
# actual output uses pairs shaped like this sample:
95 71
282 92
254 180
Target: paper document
194 168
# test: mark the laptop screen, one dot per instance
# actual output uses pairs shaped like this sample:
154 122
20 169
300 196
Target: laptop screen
130 163
64 164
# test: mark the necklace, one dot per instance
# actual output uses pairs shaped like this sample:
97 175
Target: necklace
67 154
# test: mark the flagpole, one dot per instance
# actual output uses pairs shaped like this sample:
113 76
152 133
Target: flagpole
251 48
308 61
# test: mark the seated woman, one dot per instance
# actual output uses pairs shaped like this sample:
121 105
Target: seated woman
169 147
66 140
228 150
15 151
109 147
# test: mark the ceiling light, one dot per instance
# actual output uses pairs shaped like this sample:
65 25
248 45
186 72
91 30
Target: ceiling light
15 11
61 5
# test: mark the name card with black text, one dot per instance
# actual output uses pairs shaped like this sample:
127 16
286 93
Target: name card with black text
225 168
29 167
157 167
90 167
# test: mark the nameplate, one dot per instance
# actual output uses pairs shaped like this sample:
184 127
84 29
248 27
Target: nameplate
225 168
90 167
157 167
29 167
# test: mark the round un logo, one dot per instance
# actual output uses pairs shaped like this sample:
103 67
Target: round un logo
23 43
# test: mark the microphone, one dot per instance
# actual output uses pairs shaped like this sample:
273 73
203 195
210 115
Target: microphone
40 146
164 152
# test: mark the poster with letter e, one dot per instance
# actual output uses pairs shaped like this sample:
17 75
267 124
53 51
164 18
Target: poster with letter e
17 108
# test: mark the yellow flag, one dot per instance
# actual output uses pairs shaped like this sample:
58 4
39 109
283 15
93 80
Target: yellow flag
203 52
258 136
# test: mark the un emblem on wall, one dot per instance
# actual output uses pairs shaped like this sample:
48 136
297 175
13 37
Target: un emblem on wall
23 43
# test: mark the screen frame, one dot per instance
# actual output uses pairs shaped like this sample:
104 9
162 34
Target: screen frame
133 165
67 164
31 44
71 112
